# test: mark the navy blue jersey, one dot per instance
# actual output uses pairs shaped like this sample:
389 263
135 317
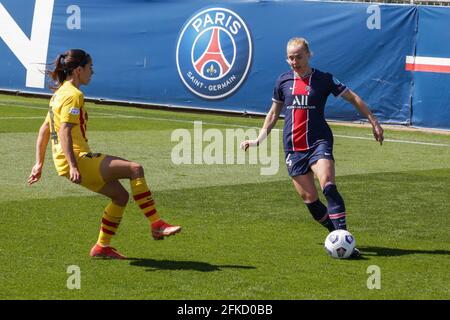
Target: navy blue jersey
304 103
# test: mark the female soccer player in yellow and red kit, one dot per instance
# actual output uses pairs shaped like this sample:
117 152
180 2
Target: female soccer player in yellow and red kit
66 126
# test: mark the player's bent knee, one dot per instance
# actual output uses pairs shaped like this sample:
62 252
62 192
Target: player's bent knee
308 197
136 169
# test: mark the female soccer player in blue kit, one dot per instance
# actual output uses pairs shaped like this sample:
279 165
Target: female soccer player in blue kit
66 126
307 138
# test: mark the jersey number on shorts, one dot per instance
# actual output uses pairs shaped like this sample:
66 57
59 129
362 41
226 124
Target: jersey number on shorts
288 160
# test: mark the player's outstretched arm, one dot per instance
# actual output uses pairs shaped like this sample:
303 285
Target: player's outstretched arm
41 147
269 123
362 107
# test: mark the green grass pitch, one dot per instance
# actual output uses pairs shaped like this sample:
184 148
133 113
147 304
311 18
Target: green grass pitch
245 236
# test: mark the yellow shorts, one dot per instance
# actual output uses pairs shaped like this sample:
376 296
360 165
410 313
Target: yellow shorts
89 167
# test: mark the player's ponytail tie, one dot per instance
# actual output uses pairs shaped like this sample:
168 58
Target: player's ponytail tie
62 63
62 59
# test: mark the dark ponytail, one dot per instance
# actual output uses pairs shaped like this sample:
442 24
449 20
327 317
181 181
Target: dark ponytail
65 64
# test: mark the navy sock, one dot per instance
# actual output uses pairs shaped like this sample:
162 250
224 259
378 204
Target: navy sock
319 213
336 207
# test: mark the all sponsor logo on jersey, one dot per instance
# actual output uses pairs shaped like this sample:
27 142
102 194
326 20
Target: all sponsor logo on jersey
301 101
214 53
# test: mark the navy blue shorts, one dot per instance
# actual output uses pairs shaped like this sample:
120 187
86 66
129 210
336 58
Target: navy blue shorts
299 162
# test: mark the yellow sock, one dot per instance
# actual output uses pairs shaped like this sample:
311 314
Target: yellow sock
110 222
143 198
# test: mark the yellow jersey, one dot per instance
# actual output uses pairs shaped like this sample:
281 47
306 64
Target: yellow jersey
67 105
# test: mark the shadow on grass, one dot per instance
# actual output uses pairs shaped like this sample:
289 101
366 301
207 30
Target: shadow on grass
154 265
392 252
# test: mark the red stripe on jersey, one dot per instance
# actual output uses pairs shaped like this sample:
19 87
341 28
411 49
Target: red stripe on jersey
300 116
299 129
142 195
82 123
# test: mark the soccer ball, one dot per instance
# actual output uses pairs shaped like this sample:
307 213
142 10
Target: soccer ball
340 244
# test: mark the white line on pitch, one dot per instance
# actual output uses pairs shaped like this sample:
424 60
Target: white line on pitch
112 115
397 141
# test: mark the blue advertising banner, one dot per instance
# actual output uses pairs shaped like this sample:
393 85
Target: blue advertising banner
227 55
431 69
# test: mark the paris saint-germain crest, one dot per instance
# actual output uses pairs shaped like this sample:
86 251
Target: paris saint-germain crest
214 53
